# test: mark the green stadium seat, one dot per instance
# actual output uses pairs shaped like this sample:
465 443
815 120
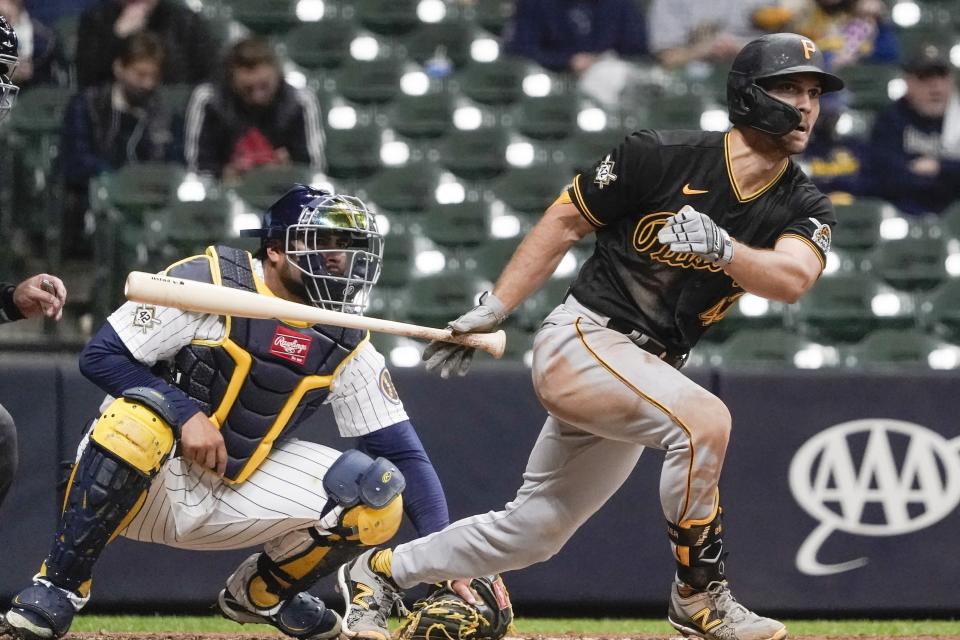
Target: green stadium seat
549 117
399 252
265 16
324 44
137 188
476 154
497 83
457 226
387 17
767 348
748 314
673 112
40 110
868 85
353 153
66 29
493 15
530 190
187 228
950 217
451 37
425 116
262 185
408 189
369 81
584 148
846 307
893 350
912 264
442 297
858 223
941 311
490 257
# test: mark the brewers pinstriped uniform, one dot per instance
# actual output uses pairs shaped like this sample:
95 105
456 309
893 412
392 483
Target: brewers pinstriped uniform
685 223
194 448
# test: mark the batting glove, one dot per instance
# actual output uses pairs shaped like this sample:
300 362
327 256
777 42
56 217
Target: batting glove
456 358
690 231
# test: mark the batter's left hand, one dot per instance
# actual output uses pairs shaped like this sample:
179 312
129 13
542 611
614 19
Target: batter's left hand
41 294
690 231
456 358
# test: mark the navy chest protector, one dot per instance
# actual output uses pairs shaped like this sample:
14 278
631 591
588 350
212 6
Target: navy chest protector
264 377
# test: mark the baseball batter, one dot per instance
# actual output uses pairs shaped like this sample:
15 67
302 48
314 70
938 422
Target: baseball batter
192 448
685 223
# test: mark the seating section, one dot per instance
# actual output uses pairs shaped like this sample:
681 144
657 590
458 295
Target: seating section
460 148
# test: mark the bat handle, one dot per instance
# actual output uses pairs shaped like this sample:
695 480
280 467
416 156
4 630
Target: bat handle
492 343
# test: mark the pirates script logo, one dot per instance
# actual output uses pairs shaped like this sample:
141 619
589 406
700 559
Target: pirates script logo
905 476
645 241
290 345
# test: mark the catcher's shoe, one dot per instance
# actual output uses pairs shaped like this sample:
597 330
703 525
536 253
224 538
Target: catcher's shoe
302 616
715 615
368 598
41 612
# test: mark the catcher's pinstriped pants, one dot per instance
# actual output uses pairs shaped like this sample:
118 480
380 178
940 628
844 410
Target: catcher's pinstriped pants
607 399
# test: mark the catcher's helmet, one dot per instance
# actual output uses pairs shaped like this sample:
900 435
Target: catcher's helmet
772 55
332 240
8 65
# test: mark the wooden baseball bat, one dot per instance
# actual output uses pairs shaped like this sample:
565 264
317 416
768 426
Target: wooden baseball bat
190 295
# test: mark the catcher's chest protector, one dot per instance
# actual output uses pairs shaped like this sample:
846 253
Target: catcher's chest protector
264 377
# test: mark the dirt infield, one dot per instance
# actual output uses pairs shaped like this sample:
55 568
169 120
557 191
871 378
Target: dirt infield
235 636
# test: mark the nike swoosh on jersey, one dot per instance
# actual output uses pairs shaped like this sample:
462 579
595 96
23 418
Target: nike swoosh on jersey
688 191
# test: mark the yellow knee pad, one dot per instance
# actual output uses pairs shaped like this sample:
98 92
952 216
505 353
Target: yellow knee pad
372 526
136 431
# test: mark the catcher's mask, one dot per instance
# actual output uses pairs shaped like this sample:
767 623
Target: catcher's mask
8 66
771 56
334 242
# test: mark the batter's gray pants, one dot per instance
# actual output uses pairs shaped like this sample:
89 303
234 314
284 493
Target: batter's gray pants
606 399
8 451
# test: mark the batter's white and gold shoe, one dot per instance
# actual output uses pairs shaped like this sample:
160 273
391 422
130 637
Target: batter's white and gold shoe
714 614
368 598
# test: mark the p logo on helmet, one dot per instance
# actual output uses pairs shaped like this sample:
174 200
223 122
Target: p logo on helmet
809 48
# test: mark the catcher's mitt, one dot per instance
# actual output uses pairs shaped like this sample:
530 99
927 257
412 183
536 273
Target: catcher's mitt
443 615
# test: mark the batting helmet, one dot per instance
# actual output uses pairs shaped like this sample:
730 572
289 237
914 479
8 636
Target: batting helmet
770 56
333 240
8 65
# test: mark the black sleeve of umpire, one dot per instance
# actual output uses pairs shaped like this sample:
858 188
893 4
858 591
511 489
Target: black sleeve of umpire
8 310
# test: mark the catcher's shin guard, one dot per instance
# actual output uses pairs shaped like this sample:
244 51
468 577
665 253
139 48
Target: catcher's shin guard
126 448
699 551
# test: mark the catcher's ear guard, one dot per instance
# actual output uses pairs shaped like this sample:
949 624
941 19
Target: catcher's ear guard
356 477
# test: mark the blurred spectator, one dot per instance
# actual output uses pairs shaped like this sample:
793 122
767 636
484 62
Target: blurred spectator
849 31
834 162
915 143
42 60
114 124
252 118
190 48
684 31
49 12
571 35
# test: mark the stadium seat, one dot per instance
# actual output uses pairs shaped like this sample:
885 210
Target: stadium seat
584 148
443 297
408 189
265 16
137 188
497 83
748 314
40 110
490 257
263 185
893 350
398 255
493 15
387 17
476 154
456 226
911 264
186 228
673 112
941 311
451 37
425 116
548 117
369 81
324 44
353 153
530 190
846 307
950 217
773 348
66 29
858 223
868 85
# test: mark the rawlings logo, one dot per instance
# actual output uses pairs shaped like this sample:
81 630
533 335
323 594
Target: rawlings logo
290 345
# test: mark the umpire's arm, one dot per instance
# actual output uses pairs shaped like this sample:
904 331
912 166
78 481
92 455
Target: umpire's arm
783 273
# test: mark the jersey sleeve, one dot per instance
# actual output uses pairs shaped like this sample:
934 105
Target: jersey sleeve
154 333
814 223
619 181
363 397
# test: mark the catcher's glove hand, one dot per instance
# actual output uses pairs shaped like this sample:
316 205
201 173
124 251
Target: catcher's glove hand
443 615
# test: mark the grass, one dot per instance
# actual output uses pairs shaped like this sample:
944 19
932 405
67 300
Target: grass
545 626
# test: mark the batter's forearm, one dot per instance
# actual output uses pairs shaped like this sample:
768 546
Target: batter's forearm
769 273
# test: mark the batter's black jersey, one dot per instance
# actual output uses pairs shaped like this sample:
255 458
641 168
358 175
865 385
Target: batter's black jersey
630 193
